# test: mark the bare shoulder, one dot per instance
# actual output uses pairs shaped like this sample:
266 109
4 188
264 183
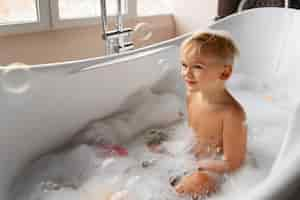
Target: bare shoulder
235 112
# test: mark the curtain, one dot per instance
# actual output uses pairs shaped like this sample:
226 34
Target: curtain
227 7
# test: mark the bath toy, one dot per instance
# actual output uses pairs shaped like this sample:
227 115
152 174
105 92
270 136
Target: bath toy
148 163
156 148
113 149
49 185
155 136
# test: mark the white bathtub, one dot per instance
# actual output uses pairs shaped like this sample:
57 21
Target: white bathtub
64 96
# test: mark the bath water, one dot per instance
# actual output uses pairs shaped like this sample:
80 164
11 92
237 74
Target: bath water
89 172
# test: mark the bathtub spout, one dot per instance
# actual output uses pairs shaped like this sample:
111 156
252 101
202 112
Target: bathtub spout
103 18
119 39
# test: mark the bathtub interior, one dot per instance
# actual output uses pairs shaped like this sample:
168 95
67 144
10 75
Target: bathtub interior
59 103
275 63
271 51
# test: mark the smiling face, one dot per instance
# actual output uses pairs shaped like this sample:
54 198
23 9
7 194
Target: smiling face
202 71
207 59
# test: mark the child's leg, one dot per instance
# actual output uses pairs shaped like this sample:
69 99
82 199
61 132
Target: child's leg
196 184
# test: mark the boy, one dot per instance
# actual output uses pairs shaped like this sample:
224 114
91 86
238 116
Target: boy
217 119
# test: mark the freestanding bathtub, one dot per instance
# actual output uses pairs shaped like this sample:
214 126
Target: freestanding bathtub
64 96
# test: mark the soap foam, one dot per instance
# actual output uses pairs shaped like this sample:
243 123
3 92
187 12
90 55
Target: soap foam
128 178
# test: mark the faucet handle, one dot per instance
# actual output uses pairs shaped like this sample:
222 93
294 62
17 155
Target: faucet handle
116 33
127 46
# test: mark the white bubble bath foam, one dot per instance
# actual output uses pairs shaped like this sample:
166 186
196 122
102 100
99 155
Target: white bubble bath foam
130 169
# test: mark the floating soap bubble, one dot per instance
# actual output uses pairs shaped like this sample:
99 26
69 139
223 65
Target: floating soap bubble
15 78
142 31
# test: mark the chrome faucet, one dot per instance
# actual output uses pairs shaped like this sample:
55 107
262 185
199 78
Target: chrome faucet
119 39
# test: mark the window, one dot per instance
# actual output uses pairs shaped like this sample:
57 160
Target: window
19 16
148 7
18 11
23 16
66 13
71 9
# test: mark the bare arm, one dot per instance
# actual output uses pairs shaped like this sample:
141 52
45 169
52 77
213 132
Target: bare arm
234 144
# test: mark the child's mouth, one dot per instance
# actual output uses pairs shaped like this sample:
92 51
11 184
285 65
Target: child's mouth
190 82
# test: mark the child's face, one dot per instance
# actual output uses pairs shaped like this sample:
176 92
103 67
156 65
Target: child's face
202 72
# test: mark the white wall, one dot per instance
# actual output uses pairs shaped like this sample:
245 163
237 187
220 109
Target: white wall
193 14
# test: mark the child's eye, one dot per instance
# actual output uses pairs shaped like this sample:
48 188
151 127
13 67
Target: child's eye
184 65
198 67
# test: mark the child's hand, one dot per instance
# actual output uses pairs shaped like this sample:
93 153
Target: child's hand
195 184
204 164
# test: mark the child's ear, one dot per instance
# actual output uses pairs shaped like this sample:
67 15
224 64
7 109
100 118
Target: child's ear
226 72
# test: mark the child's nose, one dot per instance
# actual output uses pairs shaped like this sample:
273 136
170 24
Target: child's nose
187 71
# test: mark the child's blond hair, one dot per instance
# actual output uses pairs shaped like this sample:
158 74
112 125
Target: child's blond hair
214 43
